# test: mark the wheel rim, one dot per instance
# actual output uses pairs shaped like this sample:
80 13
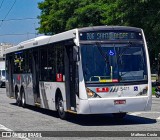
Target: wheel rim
23 99
18 98
60 106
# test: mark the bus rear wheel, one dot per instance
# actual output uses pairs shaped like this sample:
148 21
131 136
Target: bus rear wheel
60 108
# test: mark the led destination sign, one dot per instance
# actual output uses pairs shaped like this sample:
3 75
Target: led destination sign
110 35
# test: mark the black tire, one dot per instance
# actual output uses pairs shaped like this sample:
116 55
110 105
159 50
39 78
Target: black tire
119 115
18 98
157 96
23 99
60 108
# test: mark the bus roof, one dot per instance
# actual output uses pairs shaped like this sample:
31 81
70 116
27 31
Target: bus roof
71 34
109 28
42 40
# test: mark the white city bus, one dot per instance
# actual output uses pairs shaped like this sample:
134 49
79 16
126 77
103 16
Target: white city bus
92 70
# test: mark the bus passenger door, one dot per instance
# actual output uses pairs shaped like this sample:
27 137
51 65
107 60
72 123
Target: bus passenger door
35 76
71 70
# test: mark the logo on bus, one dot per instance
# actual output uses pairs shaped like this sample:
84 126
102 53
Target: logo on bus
106 89
113 89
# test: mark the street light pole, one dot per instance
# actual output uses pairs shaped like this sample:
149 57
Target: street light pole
158 67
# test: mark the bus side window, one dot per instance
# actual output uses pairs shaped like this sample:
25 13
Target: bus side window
44 67
28 59
52 63
60 60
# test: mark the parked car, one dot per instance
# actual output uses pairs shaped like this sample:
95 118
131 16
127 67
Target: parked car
2 78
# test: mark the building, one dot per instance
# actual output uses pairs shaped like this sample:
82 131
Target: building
3 47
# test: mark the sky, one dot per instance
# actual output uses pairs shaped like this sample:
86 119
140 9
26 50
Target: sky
16 31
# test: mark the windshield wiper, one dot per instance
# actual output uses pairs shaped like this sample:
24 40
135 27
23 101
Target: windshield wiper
102 53
108 66
125 49
126 73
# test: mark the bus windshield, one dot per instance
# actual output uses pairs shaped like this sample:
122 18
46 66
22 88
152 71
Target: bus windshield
113 62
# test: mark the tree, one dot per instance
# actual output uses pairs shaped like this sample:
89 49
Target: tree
61 15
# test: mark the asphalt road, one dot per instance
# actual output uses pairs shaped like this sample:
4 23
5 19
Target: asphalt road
21 120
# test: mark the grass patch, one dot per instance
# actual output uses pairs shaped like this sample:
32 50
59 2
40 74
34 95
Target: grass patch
153 90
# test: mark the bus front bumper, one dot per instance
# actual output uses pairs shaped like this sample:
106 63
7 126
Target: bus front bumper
107 105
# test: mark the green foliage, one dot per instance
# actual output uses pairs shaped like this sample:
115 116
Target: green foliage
61 15
89 15
153 90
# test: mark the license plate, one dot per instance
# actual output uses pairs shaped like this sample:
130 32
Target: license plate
117 102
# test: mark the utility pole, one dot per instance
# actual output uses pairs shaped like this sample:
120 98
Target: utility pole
159 67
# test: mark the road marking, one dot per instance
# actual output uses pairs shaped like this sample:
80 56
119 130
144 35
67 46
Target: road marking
135 113
5 128
151 112
2 127
158 118
138 113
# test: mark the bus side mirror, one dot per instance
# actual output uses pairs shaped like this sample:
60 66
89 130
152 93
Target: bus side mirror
76 53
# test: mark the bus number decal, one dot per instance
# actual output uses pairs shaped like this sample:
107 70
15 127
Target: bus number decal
124 88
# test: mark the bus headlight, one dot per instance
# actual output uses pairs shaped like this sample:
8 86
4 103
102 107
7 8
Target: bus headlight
91 94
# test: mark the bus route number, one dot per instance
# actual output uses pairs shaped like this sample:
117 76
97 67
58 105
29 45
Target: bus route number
90 36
